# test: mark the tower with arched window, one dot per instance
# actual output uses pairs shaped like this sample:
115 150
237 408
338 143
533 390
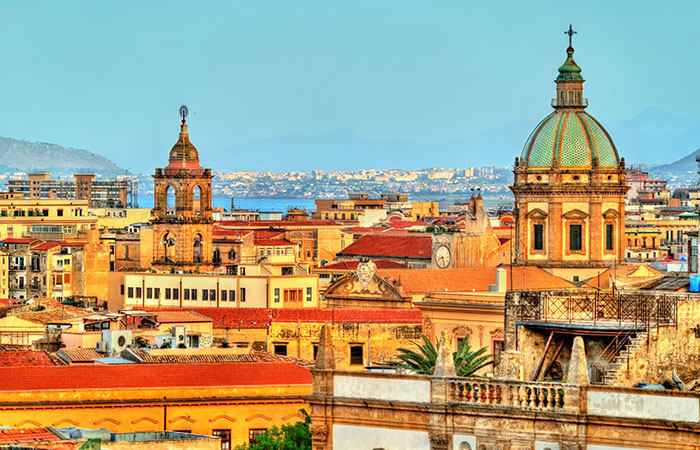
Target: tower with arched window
182 214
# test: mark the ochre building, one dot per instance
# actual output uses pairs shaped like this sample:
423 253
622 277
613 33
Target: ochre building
570 185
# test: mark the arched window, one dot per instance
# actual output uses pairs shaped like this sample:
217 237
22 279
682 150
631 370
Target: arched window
571 97
464 446
197 200
170 201
562 98
578 98
197 248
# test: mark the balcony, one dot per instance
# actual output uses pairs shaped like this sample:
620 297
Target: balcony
566 104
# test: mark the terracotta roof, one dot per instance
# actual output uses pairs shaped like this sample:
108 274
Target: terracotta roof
146 358
27 435
352 265
25 358
18 240
125 376
181 316
273 242
266 234
262 317
409 246
278 223
271 357
397 223
47 246
418 281
51 312
81 355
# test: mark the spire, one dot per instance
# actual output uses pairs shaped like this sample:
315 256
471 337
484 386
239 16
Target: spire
569 81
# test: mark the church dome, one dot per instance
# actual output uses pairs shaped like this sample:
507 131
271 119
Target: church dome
183 154
569 139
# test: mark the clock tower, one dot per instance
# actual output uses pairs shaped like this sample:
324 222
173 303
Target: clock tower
182 213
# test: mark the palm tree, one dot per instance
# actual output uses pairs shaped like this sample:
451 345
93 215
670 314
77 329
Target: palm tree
422 361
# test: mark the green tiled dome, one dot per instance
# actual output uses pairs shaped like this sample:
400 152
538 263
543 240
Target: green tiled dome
569 139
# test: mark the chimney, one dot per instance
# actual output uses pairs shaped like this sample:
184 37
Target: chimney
501 280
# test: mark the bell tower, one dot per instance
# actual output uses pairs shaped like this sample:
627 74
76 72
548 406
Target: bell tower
182 214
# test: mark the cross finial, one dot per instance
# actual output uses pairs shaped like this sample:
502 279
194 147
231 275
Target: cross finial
571 33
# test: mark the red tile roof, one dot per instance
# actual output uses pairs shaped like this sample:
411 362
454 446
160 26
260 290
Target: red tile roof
18 240
418 281
26 435
25 358
47 246
262 317
125 376
352 265
277 223
409 246
81 355
273 243
173 316
397 223
266 234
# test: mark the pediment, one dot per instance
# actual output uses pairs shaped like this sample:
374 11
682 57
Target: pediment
611 214
575 214
536 213
349 286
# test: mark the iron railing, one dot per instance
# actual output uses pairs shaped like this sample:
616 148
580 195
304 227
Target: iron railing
623 308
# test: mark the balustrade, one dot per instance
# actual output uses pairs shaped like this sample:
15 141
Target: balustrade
555 397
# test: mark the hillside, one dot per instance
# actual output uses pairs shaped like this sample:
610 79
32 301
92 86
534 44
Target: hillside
16 155
680 172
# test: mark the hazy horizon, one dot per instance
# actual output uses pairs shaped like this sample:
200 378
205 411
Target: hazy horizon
109 78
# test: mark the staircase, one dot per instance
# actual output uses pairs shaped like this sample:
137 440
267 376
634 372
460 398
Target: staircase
620 362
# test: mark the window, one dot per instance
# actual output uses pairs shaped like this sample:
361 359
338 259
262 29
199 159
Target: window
242 294
315 350
242 270
356 355
609 239
212 295
156 293
186 294
498 347
167 293
176 294
287 270
225 436
277 295
223 295
231 295
130 292
231 254
280 349
575 232
253 434
538 236
149 292
308 294
193 293
205 294
121 289
139 292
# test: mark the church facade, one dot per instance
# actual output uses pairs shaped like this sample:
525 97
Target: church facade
569 185
182 213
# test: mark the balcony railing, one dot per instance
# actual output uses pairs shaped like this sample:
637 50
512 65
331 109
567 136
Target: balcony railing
638 308
533 396
558 103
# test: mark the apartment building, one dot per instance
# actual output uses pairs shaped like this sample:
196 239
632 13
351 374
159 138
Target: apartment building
118 193
173 290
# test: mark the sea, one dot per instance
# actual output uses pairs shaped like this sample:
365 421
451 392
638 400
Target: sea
284 204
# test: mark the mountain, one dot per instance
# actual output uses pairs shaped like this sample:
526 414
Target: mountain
681 172
655 136
26 156
344 150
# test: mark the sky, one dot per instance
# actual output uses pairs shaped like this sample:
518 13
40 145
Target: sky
109 76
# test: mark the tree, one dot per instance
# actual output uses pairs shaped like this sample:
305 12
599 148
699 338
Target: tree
286 437
422 361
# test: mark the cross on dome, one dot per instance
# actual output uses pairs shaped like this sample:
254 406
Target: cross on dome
571 33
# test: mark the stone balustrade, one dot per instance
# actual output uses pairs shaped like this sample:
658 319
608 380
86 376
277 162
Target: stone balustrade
531 396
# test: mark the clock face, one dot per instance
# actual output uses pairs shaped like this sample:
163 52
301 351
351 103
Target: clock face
442 256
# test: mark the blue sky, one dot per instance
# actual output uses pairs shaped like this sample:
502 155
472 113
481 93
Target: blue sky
109 76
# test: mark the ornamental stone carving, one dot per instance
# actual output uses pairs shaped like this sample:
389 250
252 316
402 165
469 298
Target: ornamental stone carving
439 440
319 433
365 272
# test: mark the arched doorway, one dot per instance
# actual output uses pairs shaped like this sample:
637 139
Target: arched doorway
197 248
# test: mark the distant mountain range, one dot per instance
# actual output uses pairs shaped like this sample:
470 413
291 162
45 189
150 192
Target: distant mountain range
654 136
16 155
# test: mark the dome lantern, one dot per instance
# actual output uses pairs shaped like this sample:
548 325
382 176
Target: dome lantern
569 81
